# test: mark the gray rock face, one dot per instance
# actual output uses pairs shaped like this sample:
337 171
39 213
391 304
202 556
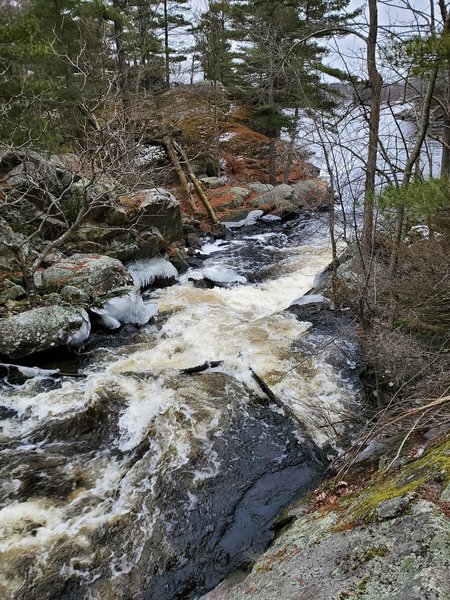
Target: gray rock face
388 509
213 182
259 188
281 192
310 193
405 558
151 208
93 275
41 329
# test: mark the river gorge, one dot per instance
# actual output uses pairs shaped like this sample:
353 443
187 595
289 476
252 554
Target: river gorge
150 478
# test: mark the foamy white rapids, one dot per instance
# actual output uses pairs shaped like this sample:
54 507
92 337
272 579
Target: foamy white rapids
112 443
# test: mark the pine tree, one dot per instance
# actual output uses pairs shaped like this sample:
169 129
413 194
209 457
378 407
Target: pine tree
282 58
172 18
213 35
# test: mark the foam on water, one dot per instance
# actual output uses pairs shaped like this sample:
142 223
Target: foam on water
150 423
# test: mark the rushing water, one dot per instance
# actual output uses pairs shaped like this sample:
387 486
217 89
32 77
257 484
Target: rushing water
344 138
143 481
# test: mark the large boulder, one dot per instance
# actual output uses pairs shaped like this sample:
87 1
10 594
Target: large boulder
147 209
42 329
277 199
308 194
96 276
311 193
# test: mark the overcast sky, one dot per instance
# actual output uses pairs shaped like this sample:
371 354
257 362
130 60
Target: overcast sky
392 14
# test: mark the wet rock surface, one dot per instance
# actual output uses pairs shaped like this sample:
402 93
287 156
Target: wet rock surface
405 558
41 329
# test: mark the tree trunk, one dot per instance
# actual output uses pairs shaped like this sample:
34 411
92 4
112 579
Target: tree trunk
166 44
272 161
376 82
290 155
414 155
445 163
181 176
197 184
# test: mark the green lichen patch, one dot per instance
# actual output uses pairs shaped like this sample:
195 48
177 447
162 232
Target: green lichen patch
412 478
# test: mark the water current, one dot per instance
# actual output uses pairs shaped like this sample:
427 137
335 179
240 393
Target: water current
140 480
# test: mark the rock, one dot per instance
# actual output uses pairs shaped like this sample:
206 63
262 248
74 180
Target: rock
74 295
388 509
259 187
43 328
222 276
10 242
96 276
307 306
27 170
241 194
149 208
124 244
251 219
17 374
404 558
310 194
213 182
276 199
445 494
12 291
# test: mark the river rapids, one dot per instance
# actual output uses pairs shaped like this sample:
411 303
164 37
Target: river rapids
143 481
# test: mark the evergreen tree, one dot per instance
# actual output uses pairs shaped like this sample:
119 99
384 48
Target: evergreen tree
282 57
172 17
214 34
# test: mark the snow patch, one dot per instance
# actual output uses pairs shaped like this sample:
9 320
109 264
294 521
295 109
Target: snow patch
226 137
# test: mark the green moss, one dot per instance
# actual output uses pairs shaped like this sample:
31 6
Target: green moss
375 552
361 506
362 585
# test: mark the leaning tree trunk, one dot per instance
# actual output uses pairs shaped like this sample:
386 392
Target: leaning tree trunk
173 157
376 82
197 184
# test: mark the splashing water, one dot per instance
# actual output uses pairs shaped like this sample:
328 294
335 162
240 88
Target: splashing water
143 481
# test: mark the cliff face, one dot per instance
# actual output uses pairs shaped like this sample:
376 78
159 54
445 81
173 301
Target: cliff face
382 534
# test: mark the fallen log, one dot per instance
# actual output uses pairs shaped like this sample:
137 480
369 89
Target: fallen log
199 368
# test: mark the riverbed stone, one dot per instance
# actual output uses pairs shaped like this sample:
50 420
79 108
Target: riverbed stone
41 329
258 187
154 207
310 194
213 182
94 275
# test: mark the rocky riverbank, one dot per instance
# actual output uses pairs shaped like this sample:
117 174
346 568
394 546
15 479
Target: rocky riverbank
73 236
381 533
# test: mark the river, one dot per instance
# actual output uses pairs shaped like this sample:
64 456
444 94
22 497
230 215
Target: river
141 480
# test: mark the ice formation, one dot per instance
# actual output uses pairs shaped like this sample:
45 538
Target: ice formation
145 271
129 308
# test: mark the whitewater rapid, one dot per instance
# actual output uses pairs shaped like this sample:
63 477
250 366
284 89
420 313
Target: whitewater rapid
140 480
